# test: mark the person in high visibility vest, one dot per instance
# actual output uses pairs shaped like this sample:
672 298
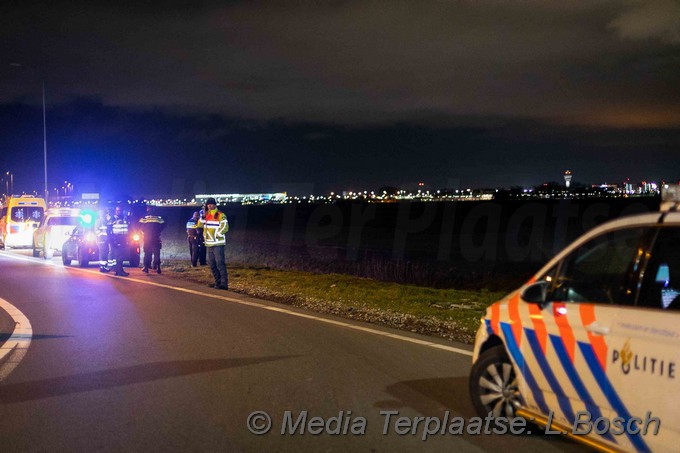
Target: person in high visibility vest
215 226
101 227
152 225
195 238
118 236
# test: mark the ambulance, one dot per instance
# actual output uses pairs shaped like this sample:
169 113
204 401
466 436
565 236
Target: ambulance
19 218
589 347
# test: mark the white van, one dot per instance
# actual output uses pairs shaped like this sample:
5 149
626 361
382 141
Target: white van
54 230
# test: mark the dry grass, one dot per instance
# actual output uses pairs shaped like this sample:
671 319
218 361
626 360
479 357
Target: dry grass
448 313
473 276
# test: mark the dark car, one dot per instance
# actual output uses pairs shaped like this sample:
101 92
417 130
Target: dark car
82 247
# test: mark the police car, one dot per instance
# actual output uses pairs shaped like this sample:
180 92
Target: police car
82 246
590 346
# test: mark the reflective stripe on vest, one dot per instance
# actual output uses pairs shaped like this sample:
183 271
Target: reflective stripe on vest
120 228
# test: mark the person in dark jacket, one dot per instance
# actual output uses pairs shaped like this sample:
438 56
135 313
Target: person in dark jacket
151 226
197 250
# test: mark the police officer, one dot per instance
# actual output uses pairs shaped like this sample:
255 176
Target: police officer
215 227
101 227
195 239
151 226
118 237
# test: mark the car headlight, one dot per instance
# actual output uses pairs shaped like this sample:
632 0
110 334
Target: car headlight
135 237
89 237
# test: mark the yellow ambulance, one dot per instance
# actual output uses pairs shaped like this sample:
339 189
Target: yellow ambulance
21 215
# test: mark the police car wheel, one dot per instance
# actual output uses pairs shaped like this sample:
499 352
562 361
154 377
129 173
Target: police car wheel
493 384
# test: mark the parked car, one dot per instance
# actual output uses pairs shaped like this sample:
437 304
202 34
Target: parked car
53 231
595 334
82 247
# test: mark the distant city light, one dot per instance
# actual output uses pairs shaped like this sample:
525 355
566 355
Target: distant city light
65 197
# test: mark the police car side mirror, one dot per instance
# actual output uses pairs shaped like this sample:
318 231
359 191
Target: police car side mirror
536 293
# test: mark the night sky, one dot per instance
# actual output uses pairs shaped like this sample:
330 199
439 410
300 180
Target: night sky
177 98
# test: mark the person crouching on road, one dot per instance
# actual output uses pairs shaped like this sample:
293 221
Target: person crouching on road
195 239
152 225
118 235
101 227
215 227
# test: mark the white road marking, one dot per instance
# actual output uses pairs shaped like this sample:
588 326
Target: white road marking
27 259
15 348
266 307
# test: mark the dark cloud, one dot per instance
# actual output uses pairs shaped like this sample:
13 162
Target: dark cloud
650 19
156 153
344 94
362 62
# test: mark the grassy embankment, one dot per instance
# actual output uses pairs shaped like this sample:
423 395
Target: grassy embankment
448 313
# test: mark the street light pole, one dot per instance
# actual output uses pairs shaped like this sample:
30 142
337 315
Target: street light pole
42 76
10 183
44 139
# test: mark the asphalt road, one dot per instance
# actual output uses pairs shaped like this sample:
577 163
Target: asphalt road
146 363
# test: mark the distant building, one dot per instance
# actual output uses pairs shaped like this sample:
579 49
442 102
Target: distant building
649 187
243 197
567 178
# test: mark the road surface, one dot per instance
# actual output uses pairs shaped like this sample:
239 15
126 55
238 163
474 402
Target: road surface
147 363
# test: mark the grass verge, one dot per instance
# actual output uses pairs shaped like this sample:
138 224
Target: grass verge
448 313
